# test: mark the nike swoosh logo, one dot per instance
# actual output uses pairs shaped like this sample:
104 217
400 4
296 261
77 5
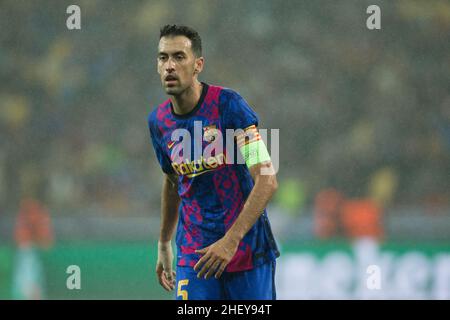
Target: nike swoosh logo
170 145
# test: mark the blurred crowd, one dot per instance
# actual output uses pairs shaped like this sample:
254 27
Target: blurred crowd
364 112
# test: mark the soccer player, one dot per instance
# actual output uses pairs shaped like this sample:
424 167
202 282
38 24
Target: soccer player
225 245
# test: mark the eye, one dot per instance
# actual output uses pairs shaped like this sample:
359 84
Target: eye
162 58
179 57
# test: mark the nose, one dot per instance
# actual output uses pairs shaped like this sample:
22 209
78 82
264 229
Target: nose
170 65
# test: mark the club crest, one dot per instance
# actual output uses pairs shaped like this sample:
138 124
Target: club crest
210 133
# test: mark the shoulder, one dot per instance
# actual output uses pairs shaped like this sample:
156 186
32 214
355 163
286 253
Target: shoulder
158 113
235 111
227 95
232 101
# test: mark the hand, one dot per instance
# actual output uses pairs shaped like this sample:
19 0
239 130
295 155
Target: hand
216 257
164 272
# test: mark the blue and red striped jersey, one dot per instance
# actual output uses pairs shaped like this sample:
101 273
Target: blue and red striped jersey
212 190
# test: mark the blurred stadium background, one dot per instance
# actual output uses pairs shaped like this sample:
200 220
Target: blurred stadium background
364 119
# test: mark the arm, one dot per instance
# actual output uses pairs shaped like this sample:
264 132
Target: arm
263 190
219 254
170 202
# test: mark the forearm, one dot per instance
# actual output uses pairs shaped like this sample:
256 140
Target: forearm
170 202
263 190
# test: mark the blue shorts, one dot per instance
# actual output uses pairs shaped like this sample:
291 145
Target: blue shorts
255 284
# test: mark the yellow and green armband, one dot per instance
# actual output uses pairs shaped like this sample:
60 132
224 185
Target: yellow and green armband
252 147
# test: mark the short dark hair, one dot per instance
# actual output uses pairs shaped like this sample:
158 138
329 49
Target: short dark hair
191 34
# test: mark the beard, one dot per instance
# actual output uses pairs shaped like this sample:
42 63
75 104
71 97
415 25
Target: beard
174 90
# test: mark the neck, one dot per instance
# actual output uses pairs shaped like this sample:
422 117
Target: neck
187 100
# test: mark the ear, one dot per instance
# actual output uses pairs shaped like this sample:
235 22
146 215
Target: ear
199 65
158 68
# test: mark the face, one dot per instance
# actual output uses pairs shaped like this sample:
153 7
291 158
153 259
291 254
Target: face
177 65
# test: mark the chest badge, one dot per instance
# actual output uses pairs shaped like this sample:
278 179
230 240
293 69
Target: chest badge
210 133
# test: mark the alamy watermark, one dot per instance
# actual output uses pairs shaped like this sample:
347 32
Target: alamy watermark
373 22
373 281
73 22
74 280
208 151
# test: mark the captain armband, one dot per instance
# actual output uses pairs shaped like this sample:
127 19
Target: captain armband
252 147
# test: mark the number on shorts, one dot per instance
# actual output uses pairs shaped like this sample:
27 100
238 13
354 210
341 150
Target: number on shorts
182 293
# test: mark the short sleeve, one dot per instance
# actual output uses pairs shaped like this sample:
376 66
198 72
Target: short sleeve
156 139
236 114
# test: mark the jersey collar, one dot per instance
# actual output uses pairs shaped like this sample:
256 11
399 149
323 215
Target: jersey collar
193 111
